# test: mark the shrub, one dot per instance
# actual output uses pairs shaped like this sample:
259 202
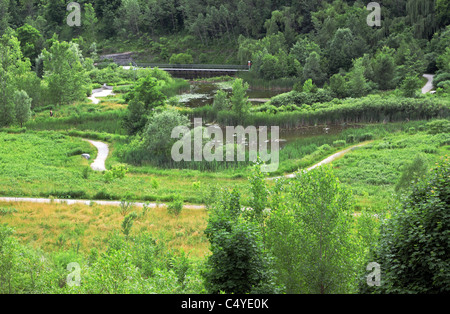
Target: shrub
413 246
176 206
438 126
7 211
339 143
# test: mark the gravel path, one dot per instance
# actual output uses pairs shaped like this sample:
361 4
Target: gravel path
429 86
325 161
100 92
103 152
99 165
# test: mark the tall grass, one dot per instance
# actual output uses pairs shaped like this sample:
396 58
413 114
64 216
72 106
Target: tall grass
108 122
257 83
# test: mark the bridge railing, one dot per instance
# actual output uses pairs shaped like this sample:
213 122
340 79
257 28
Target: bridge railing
193 66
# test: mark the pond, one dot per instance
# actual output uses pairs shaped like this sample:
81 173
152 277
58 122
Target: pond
202 93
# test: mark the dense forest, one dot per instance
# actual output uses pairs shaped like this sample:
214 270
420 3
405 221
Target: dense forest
338 87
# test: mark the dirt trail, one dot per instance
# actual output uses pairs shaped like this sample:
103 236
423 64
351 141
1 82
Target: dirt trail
429 86
103 152
100 162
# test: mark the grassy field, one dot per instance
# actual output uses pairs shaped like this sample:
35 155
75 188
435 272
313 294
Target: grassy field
54 227
48 164
373 171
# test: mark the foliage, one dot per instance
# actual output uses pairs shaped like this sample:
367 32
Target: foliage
238 263
181 58
176 206
414 243
316 252
22 105
127 223
64 73
412 172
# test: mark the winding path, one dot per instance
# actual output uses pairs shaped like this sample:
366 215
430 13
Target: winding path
99 165
327 160
100 92
103 152
429 86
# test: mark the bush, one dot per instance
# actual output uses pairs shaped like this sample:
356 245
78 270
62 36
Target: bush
413 246
441 78
438 126
339 143
176 206
181 58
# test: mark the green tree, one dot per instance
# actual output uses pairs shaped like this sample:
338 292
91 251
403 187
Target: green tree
343 48
357 83
127 223
238 263
410 85
412 172
64 73
384 69
338 85
313 70
89 23
181 58
31 41
221 101
310 233
413 246
443 61
5 16
239 100
22 105
13 71
157 134
144 97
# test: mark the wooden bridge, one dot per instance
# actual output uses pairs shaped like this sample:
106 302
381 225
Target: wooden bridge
192 71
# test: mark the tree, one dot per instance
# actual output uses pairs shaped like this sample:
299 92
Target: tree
89 24
13 70
357 83
443 12
31 41
413 246
344 47
384 68
310 233
64 73
127 223
4 15
412 172
313 70
181 58
410 85
130 11
157 134
338 85
238 263
22 105
443 61
221 101
303 49
239 101
142 99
